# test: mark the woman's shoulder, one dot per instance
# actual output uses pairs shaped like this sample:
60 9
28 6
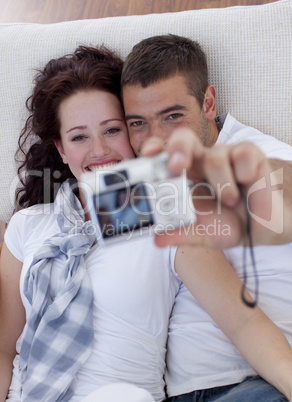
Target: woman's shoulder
28 225
32 215
36 209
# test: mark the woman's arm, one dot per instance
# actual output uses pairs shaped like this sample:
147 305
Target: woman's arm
2 232
12 316
215 285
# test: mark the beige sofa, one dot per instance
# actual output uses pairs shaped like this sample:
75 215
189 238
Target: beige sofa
249 50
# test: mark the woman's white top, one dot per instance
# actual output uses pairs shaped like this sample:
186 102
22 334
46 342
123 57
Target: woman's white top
134 285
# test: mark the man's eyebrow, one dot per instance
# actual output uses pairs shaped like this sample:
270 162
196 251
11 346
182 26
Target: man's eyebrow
173 108
169 109
133 116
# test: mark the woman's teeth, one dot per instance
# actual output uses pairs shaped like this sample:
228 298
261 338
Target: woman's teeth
94 168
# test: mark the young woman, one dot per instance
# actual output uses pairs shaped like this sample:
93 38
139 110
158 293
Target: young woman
76 316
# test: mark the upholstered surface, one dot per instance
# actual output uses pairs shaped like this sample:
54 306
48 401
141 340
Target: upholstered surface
249 52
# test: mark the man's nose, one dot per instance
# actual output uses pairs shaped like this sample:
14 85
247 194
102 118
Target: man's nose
157 130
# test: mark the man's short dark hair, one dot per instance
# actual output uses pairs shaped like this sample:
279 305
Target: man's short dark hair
163 56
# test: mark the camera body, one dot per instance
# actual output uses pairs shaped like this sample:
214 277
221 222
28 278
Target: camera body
137 197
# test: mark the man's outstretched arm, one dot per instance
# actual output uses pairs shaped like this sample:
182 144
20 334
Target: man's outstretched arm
238 175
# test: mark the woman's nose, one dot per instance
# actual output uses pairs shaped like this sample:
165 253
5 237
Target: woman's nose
99 147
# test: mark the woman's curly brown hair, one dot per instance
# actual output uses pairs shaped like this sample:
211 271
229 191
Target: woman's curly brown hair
41 169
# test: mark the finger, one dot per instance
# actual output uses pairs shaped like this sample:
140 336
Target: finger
152 146
248 161
263 187
218 169
186 152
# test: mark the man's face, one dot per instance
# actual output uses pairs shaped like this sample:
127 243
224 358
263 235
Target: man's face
160 108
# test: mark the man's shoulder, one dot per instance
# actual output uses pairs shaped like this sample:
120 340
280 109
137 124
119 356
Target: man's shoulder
233 132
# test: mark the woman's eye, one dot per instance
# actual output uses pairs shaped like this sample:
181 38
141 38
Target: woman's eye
78 138
112 131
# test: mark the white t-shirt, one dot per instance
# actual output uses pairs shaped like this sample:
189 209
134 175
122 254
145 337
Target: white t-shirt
199 355
134 287
232 131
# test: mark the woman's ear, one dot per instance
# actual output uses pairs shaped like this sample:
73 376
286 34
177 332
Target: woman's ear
209 105
58 145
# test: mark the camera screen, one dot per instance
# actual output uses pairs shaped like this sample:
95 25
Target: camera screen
123 210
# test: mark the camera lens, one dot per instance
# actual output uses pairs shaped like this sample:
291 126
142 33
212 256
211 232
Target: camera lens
114 178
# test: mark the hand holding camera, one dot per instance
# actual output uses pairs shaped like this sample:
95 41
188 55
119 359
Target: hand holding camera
137 197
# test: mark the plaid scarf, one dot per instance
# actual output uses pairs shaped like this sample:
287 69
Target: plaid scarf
58 335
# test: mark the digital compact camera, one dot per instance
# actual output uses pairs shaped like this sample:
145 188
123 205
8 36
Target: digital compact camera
136 197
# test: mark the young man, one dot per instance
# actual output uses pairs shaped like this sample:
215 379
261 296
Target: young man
165 88
161 97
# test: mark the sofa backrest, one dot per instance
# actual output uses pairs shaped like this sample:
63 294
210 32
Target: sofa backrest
249 50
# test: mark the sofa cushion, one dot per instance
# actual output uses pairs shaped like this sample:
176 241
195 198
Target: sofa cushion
249 50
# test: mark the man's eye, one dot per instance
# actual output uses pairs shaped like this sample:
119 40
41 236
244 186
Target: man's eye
136 123
174 116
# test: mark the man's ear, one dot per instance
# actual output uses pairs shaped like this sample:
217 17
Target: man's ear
209 105
59 146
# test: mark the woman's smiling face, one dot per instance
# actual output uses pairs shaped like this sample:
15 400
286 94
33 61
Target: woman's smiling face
93 131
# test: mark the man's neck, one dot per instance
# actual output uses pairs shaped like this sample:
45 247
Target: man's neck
214 132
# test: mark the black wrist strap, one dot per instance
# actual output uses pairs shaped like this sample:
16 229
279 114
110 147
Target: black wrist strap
248 246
